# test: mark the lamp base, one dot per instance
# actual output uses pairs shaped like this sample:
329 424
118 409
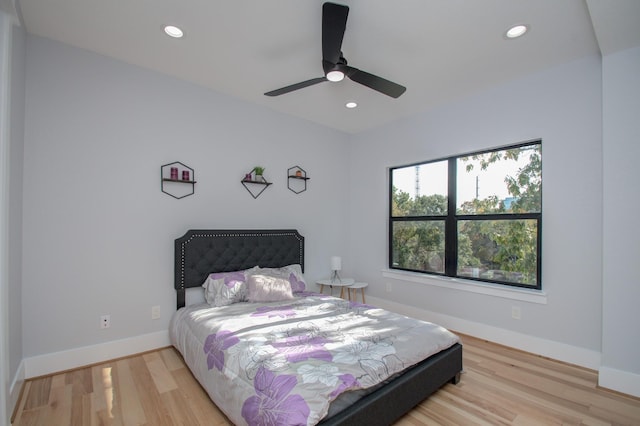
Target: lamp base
335 277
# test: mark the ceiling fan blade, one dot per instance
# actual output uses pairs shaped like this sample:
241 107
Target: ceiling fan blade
374 82
296 86
334 22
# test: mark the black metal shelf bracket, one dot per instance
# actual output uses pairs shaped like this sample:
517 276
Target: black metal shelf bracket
172 185
255 187
297 179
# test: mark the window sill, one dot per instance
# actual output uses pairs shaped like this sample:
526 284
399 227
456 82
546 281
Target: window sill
525 295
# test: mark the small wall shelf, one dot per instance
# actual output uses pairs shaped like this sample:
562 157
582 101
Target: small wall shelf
297 179
170 182
254 187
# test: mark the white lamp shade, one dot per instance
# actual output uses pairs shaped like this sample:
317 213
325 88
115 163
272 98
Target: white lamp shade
336 263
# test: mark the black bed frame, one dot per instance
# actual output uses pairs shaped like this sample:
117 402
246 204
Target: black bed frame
201 252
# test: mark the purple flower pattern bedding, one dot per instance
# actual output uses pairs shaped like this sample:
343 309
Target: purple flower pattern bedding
282 363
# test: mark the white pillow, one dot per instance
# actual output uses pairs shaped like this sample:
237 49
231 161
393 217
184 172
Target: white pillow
194 296
265 288
293 273
226 288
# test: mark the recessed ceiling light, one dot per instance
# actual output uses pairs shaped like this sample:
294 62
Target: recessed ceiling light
173 31
351 105
516 31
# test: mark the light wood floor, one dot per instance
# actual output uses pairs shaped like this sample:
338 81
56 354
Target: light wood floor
500 386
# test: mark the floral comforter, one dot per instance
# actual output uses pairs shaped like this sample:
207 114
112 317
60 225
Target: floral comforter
282 363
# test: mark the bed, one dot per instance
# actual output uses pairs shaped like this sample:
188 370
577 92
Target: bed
201 255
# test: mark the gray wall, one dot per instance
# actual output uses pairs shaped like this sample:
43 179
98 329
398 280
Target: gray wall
621 289
98 232
562 106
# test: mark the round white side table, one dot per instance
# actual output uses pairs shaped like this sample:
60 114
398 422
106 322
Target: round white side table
342 283
355 287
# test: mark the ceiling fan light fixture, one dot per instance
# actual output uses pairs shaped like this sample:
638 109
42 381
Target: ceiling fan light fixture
516 31
334 64
335 75
173 31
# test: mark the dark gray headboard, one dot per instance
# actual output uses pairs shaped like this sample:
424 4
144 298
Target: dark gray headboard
201 252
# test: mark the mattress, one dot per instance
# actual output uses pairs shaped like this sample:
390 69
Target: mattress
285 362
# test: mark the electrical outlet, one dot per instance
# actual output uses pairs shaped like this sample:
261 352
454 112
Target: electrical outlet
516 313
155 312
105 321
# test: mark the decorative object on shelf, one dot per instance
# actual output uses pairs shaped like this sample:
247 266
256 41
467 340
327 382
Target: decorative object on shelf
171 185
297 179
256 185
336 265
259 172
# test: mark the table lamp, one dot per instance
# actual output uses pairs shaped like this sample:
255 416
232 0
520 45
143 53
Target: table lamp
336 265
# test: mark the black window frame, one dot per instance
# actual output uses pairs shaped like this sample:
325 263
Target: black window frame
452 218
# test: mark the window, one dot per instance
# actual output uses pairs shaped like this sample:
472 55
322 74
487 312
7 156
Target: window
475 216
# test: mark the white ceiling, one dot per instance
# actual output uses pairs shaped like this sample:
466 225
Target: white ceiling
439 49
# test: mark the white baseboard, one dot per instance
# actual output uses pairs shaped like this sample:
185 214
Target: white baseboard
619 381
548 348
16 387
73 358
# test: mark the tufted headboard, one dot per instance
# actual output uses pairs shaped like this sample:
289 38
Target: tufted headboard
201 252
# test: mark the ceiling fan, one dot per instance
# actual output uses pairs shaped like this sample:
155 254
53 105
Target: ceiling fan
334 22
